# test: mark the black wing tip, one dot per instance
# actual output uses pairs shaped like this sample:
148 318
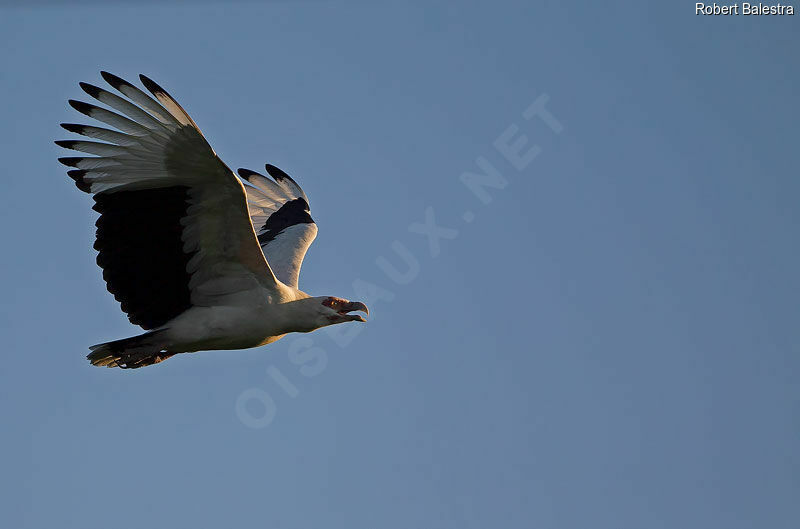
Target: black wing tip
90 89
80 181
246 173
67 144
73 127
151 85
70 161
80 106
113 80
277 174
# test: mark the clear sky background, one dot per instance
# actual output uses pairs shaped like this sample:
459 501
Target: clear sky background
612 342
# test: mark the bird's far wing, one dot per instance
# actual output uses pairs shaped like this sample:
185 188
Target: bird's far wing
174 231
280 213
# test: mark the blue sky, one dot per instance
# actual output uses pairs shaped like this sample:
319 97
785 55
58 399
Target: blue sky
611 342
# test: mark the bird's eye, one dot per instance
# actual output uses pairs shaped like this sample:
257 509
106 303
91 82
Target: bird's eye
331 302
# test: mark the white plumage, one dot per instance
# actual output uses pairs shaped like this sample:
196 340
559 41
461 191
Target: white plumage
178 235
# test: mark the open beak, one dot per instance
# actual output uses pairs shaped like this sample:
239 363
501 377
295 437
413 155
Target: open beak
354 306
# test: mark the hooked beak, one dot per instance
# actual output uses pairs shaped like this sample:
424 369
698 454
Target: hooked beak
353 306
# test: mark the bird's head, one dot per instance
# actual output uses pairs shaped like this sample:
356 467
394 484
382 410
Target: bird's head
335 310
329 310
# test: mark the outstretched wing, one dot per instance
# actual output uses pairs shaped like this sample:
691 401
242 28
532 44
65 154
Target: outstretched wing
280 213
173 231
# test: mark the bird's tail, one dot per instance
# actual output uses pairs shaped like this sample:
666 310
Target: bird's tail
130 353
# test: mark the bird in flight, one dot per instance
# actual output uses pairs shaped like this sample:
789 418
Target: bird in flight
197 257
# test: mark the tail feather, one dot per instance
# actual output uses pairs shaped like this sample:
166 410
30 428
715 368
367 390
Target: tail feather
130 353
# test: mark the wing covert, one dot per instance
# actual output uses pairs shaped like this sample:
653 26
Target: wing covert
282 219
